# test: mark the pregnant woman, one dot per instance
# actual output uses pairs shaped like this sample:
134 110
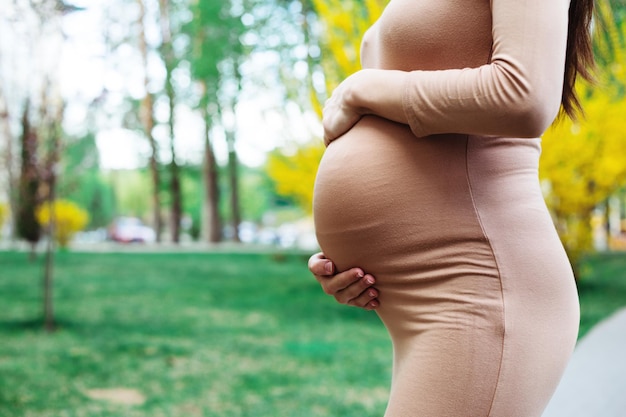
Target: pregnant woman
429 185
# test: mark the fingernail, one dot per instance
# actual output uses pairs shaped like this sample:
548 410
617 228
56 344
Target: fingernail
372 294
328 267
360 274
369 280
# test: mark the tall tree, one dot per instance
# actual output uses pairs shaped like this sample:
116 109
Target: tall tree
212 220
148 122
215 32
228 103
170 62
41 130
52 113
206 51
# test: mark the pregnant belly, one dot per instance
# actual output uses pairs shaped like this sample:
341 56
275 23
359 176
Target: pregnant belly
381 193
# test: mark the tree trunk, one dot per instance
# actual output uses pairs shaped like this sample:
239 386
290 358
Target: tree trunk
167 54
26 224
212 219
51 130
233 177
233 164
48 277
177 209
147 118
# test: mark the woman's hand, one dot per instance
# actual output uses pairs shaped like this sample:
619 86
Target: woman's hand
352 287
366 92
340 113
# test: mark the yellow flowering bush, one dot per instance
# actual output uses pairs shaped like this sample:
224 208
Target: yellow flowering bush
4 210
294 175
344 23
69 218
584 162
4 213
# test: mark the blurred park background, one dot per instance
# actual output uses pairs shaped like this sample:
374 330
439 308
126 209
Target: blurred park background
157 160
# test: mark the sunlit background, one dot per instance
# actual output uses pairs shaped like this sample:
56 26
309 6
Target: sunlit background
135 90
157 161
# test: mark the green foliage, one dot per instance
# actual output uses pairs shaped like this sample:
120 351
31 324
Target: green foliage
193 197
83 182
602 288
132 191
256 193
214 37
132 194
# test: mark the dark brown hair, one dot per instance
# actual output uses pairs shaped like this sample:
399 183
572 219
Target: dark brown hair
579 60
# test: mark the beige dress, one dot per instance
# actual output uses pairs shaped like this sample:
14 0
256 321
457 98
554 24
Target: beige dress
447 213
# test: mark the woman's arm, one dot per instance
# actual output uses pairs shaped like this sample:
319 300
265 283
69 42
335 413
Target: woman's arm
518 93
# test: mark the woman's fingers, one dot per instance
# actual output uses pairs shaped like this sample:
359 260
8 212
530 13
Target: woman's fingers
344 285
320 266
352 287
367 298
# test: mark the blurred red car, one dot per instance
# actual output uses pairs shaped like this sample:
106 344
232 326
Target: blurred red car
130 230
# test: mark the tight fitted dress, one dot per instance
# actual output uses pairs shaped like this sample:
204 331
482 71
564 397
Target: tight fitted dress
447 213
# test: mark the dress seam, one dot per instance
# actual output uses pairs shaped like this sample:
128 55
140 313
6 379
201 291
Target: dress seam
495 259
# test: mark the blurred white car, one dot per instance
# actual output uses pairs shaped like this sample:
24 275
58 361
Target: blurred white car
131 230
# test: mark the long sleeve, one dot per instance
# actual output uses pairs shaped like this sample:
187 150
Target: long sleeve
517 93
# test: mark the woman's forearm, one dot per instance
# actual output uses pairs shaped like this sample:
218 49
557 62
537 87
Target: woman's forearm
378 92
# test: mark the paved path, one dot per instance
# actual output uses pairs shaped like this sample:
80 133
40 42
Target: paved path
594 384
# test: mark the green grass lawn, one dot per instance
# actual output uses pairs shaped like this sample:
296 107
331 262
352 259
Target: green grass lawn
602 288
194 334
